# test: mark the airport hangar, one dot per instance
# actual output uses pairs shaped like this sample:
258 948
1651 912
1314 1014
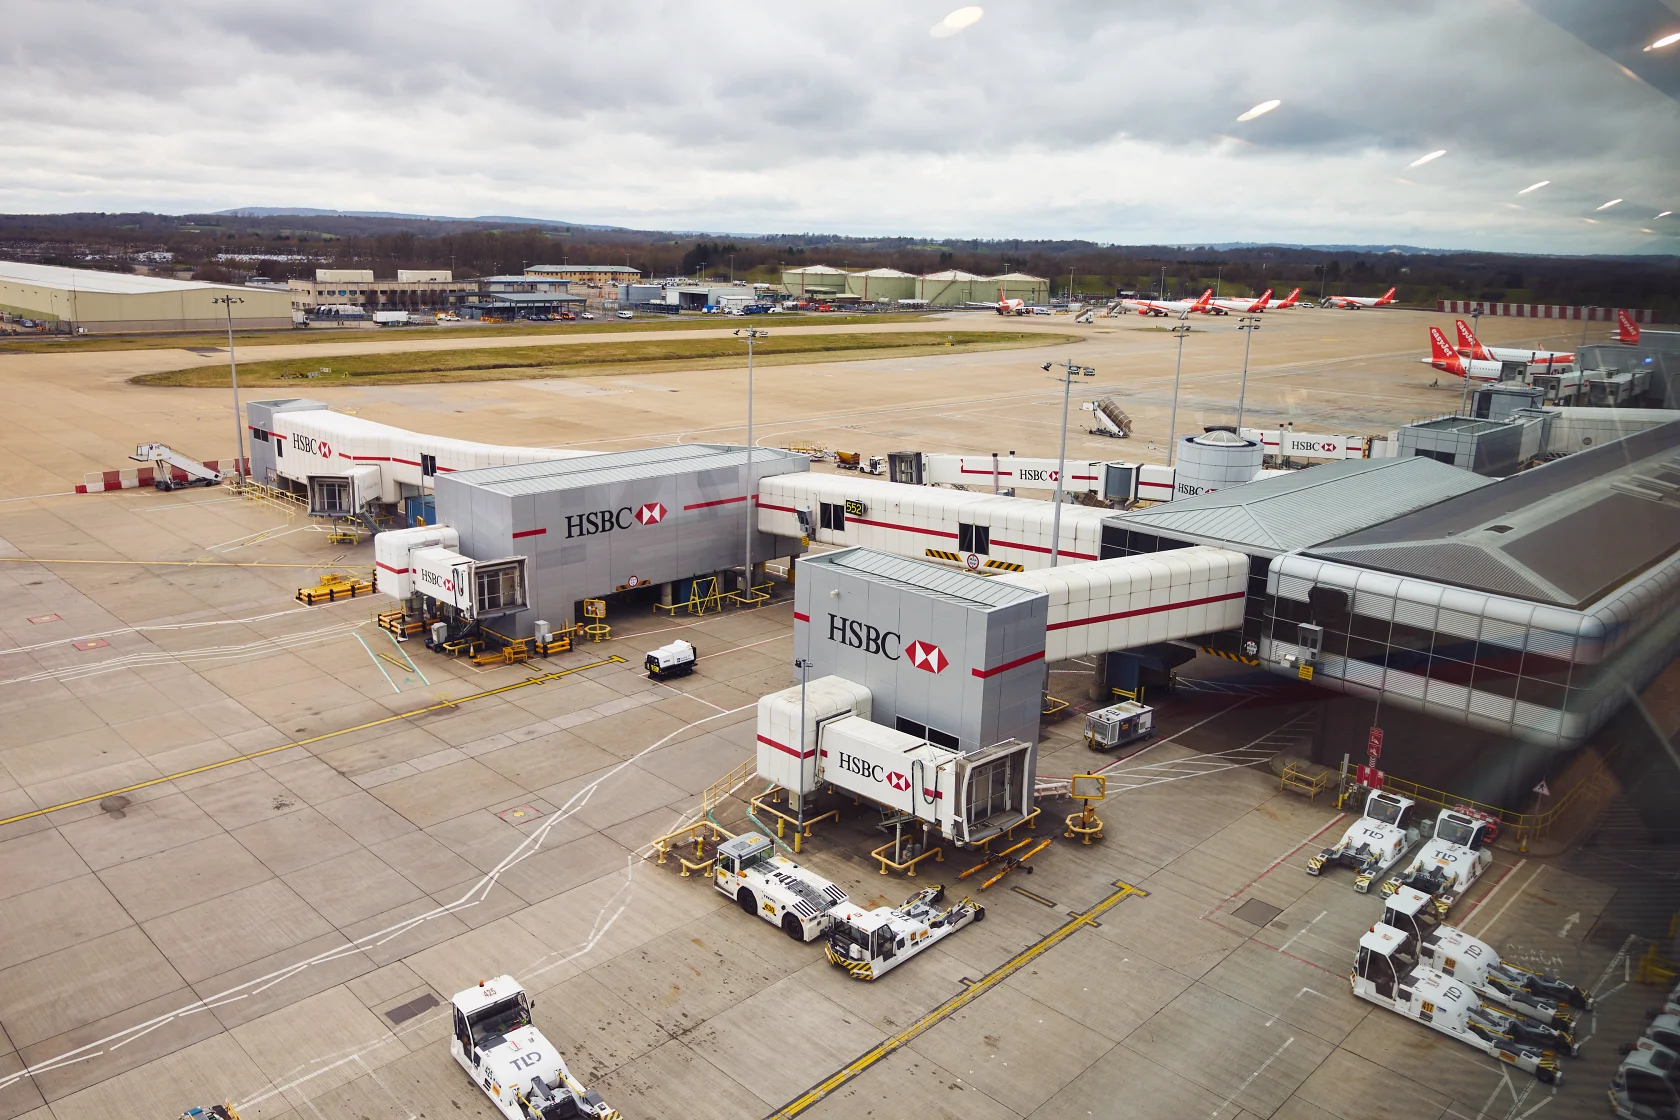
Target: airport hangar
103 302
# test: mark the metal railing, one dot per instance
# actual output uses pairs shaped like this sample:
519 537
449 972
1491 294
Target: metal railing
1526 826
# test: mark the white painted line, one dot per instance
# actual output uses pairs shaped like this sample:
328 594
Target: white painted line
32 497
404 654
1297 995
1285 946
148 629
1249 1080
1174 735
376 664
1538 868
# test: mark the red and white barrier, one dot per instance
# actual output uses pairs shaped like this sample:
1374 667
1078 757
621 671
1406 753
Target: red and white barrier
1538 311
133 478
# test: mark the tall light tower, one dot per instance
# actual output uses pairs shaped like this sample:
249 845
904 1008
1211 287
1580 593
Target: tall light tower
227 303
750 335
1181 330
1476 329
1069 372
1249 323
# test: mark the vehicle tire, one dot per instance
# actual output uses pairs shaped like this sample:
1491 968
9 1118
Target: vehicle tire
979 913
1545 1075
745 900
792 927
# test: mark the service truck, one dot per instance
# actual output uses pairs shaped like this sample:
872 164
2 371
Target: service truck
1646 1086
1374 843
1451 861
1538 995
520 1071
674 660
1384 976
748 870
870 943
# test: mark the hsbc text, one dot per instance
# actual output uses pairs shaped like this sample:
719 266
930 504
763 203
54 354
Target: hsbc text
856 765
861 635
598 521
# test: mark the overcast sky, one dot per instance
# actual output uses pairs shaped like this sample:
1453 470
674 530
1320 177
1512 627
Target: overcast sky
1110 121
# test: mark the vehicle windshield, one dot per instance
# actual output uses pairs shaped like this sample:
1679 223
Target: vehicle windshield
1456 830
753 859
844 934
500 1018
1384 809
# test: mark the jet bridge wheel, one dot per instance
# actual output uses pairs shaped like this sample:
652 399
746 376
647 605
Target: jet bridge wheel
745 900
792 927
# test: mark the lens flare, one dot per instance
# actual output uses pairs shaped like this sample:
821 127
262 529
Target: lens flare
1260 110
1535 187
959 20
1430 158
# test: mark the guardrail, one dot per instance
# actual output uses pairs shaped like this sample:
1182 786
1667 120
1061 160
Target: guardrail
1526 826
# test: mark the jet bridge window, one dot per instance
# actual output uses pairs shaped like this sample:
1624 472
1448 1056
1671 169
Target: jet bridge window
498 587
833 516
974 538
330 496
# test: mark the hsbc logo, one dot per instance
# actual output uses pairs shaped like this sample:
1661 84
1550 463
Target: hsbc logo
861 635
309 445
651 514
898 781
1036 474
927 657
851 763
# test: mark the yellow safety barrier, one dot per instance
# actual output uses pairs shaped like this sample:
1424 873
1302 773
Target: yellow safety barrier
666 844
333 588
1526 826
703 596
909 865
1085 824
1293 777
1654 969
344 534
1053 708
801 829
713 795
1028 821
751 597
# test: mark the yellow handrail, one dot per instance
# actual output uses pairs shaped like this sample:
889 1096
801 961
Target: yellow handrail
1529 824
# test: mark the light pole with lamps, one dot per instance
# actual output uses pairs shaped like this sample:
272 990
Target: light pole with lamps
803 664
1249 323
227 302
1181 330
1475 329
750 335
1070 371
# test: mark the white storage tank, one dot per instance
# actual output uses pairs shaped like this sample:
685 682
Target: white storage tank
787 757
1214 461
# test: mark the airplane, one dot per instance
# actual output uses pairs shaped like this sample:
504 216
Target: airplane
1242 306
1630 334
1289 301
1171 306
1354 303
1012 307
1444 358
1469 346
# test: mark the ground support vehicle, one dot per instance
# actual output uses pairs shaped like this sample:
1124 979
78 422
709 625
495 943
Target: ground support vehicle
870 943
674 660
748 870
1647 1085
1661 1032
1453 860
520 1071
1381 975
167 463
1540 996
1374 843
1110 728
214 1112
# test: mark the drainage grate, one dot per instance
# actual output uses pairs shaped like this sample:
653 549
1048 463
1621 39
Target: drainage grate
403 1012
1257 913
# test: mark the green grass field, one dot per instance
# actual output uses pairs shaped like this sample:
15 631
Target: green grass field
53 344
581 359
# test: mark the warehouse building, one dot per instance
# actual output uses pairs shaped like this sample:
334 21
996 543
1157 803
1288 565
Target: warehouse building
814 280
426 289
75 299
881 285
951 288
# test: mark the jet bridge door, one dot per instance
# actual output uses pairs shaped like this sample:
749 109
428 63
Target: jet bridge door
994 790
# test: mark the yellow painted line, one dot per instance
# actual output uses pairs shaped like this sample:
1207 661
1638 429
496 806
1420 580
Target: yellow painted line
316 739
165 563
991 980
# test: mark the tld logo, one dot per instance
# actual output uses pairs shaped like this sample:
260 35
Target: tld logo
597 521
861 635
855 765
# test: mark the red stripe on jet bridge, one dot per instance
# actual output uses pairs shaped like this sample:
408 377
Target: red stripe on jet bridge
933 793
1008 665
719 502
404 462
801 617
365 458
1040 548
784 748
900 528
762 504
529 533
1158 485
1147 610
388 568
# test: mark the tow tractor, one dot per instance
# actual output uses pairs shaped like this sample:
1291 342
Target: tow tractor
1450 862
775 888
520 1071
1374 843
674 660
1384 977
869 943
1538 995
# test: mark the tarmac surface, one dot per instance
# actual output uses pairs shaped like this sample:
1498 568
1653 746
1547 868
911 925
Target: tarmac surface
322 835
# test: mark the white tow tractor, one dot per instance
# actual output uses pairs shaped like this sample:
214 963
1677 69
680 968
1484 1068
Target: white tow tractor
1538 995
1453 860
1383 976
1374 843
674 660
520 1071
870 943
775 888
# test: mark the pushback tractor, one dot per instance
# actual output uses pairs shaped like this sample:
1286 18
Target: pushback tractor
870 943
748 870
1374 843
520 1071
1384 975
1538 995
1451 861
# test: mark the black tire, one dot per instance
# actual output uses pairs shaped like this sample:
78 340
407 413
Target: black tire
745 900
979 913
1545 1075
791 927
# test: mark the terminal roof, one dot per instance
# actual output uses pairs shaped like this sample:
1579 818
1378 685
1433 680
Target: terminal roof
964 588
619 466
1300 509
108 283
1566 533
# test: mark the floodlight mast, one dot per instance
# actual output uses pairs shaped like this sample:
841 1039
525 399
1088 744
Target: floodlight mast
233 372
1070 371
750 335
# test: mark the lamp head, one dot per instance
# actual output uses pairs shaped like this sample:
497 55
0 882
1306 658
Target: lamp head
1045 367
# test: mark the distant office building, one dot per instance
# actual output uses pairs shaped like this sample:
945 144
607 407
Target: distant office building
429 289
522 297
590 275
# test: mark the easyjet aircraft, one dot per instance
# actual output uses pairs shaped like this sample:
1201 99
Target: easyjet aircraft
1630 334
1444 358
1470 346
1170 306
1354 303
1242 306
1289 300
